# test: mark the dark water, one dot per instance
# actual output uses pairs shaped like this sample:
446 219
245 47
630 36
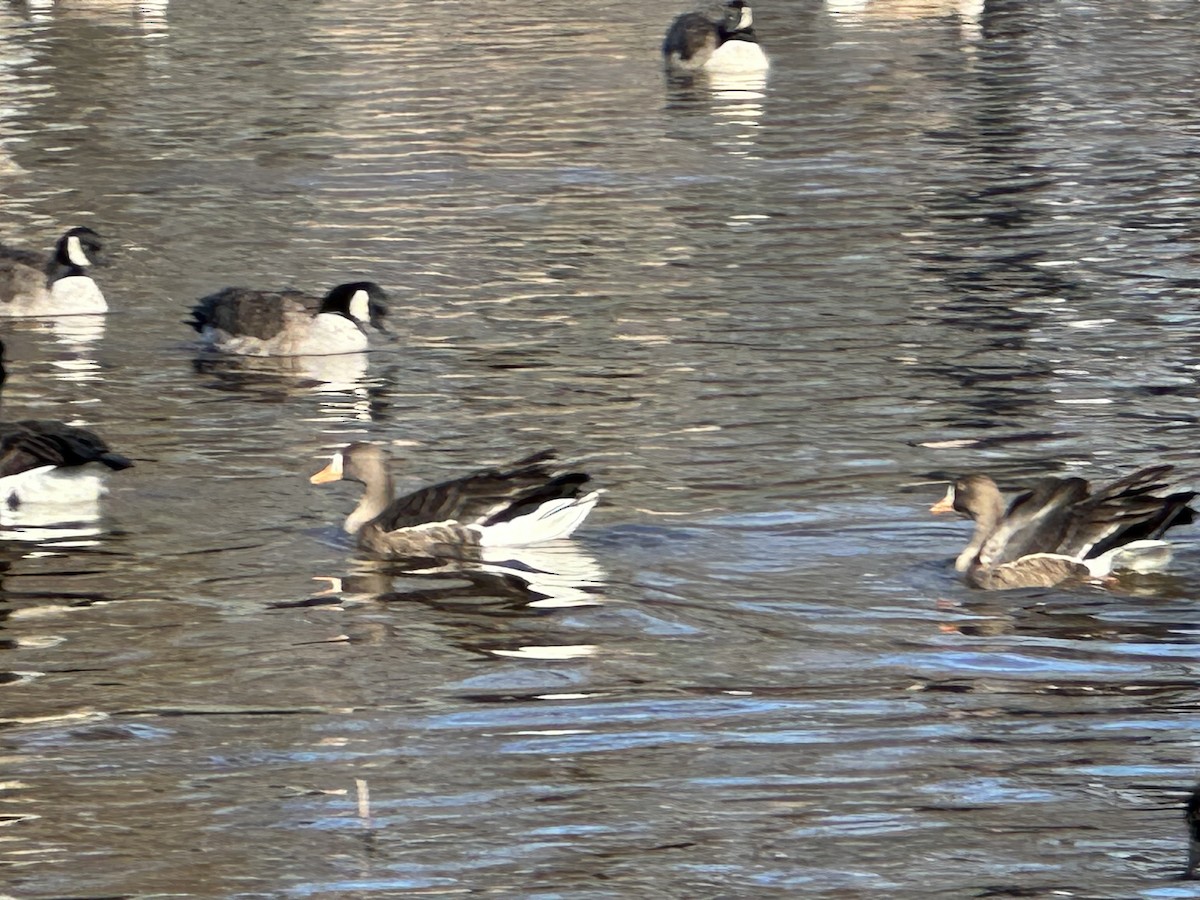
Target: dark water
766 317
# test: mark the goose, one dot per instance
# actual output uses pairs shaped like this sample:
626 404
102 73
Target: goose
520 505
288 322
45 463
719 37
1060 531
35 453
33 286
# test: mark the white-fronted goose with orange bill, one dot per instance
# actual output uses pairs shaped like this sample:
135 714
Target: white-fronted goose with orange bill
1060 531
527 503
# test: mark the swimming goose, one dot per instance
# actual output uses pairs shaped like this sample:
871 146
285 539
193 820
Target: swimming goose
1060 531
718 38
31 285
517 506
290 323
41 460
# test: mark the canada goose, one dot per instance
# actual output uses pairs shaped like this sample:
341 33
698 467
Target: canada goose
516 506
290 323
33 286
1061 531
34 451
44 472
720 37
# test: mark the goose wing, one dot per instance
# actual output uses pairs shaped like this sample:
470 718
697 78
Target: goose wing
21 272
1130 509
1037 521
33 443
250 313
690 35
470 499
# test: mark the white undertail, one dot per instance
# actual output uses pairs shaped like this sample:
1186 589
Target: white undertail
552 520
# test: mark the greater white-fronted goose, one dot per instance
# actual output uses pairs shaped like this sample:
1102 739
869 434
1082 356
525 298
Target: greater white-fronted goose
32 285
520 505
717 38
290 323
1060 531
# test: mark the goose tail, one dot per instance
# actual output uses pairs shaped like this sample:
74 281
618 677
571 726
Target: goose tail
548 521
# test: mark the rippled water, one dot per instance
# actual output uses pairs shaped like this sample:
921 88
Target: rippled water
767 318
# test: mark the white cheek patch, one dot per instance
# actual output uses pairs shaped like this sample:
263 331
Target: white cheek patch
75 252
360 306
746 20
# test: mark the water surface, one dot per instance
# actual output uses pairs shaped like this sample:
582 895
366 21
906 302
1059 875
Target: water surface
768 319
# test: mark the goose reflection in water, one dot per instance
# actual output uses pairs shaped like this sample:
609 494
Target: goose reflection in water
733 102
67 343
551 576
150 16
713 56
861 12
339 384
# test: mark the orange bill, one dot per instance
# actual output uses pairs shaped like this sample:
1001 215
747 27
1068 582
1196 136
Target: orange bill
330 473
945 505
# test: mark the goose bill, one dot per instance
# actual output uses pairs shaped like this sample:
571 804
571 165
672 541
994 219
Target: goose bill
946 504
332 472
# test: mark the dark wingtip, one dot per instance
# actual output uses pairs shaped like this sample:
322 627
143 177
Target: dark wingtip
115 461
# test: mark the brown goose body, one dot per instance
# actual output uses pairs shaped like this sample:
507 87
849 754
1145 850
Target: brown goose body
524 504
1062 531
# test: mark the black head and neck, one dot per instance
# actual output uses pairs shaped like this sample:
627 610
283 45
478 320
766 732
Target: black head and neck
737 22
363 302
75 252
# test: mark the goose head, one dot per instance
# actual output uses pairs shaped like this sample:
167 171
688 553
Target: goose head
78 248
360 462
974 497
366 464
736 16
363 302
977 498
